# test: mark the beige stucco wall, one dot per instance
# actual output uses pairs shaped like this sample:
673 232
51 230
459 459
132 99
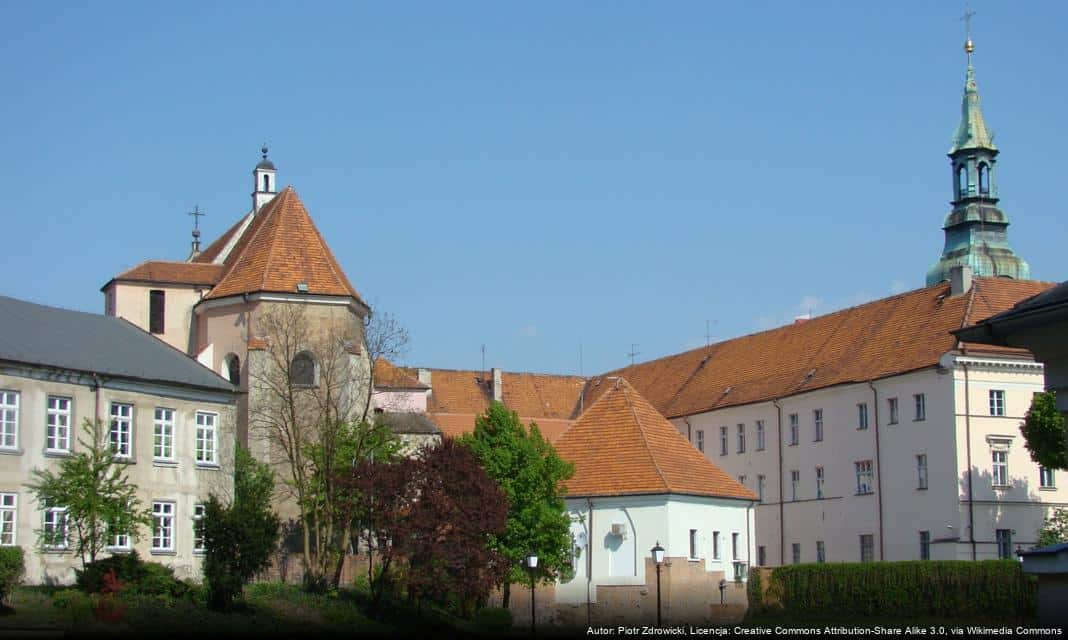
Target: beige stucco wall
182 482
130 300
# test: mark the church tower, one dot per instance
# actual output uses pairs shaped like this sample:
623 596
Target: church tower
976 229
264 187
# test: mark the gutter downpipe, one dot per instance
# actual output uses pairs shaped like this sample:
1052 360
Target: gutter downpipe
879 467
589 561
782 516
96 392
968 453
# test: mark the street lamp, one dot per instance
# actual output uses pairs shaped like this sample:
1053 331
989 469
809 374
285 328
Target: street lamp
658 558
532 566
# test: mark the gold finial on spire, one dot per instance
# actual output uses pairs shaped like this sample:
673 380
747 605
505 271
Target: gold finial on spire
969 46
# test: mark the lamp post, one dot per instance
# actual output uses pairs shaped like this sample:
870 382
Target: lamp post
658 558
532 566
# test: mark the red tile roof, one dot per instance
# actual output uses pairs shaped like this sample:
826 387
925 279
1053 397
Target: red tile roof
163 272
536 395
622 446
390 376
455 425
213 250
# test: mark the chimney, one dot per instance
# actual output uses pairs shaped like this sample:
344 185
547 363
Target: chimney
803 318
424 377
498 391
960 280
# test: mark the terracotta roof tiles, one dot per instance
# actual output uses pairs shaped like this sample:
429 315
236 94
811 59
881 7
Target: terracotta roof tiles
163 272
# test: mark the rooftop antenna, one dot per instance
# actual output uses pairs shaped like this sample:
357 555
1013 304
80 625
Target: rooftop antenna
196 213
483 361
633 352
581 375
708 331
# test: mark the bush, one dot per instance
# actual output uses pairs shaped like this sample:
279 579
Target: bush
12 567
755 591
990 589
136 576
492 619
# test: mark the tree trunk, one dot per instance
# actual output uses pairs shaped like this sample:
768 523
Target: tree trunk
506 593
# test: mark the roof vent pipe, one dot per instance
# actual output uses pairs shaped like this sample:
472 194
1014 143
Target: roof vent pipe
960 280
498 392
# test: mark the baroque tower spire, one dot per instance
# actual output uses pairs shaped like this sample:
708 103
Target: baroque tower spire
976 229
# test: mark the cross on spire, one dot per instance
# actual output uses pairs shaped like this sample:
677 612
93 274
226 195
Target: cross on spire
196 213
633 352
967 20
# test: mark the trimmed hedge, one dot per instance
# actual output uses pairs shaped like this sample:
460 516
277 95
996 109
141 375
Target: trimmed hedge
958 588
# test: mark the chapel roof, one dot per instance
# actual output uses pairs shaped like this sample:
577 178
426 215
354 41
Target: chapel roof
165 272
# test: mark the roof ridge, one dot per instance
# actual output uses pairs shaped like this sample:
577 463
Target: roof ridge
641 431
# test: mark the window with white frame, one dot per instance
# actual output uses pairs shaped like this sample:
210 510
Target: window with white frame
867 547
795 549
795 427
821 551
715 545
198 528
921 471
701 440
760 435
723 441
761 481
54 533
864 477
819 482
9 420
163 526
892 406
741 438
741 479
817 422
120 541
862 415
1000 470
925 545
693 544
1004 542
163 434
920 402
122 429
206 438
734 546
57 418
1046 479
9 503
795 482
997 402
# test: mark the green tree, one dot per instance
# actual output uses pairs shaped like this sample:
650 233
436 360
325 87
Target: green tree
1055 529
99 499
531 475
1044 432
239 538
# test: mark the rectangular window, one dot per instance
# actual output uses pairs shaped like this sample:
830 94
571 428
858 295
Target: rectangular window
1046 479
1004 540
1001 468
163 526
817 421
122 429
867 547
819 482
762 556
862 415
795 480
741 438
715 545
921 406
925 545
760 487
163 434
8 518
821 551
9 420
921 471
796 549
701 440
795 427
155 310
693 543
120 541
741 479
892 405
54 532
997 402
198 528
723 441
760 435
734 546
57 418
206 438
864 477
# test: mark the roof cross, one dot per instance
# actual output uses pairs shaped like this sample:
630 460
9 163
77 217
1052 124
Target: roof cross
967 20
633 352
196 213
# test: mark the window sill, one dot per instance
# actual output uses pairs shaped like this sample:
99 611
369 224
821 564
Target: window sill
119 550
200 553
921 488
864 493
693 559
210 466
165 463
892 422
1047 488
920 420
57 453
163 552
1001 487
11 452
58 551
124 460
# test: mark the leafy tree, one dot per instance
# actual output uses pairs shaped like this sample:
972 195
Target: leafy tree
1044 432
531 475
99 498
1055 529
240 537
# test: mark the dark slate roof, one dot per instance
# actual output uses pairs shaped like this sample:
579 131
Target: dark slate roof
408 423
39 335
1052 549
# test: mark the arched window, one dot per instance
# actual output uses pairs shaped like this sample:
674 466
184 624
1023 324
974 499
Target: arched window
302 370
266 182
232 368
962 182
984 179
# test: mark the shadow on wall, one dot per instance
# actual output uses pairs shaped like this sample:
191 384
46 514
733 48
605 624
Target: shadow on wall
1012 507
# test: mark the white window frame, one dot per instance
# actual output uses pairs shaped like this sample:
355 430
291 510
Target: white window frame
735 537
9 420
163 434
741 437
893 411
920 402
795 428
701 440
741 479
693 544
715 545
199 511
211 429
867 547
1047 478
724 441
57 421
999 469
1003 540
819 482
163 532
9 519
120 542
120 433
795 482
51 522
821 551
921 470
997 402
760 435
862 416
817 421
865 477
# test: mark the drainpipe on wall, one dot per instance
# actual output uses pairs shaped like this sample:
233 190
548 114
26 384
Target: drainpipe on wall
689 430
96 392
589 560
782 516
748 540
968 452
878 466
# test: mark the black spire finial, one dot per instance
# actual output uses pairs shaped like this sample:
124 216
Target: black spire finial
263 150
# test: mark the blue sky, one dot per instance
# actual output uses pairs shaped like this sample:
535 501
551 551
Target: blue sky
531 177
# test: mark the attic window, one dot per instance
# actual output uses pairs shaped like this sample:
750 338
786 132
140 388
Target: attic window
302 287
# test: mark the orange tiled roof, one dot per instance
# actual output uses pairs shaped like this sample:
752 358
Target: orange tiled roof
536 395
390 376
215 248
455 425
622 446
886 337
165 272
280 248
